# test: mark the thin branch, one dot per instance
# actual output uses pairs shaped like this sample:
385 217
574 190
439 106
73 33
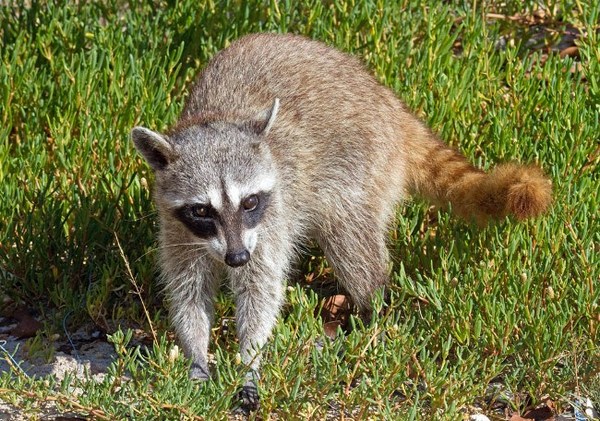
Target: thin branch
138 291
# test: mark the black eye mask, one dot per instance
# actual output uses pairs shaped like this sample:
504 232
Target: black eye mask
202 226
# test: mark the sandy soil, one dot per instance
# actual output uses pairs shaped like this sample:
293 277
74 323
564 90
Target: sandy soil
87 354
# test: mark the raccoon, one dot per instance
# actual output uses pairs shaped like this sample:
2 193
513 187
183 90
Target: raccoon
283 140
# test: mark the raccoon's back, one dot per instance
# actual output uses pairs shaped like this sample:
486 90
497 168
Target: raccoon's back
336 124
250 73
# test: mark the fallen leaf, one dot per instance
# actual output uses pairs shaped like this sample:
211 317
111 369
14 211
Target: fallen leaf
541 413
572 51
27 326
330 328
335 313
517 417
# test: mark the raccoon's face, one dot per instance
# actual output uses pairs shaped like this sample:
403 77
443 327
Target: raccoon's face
217 180
230 231
221 195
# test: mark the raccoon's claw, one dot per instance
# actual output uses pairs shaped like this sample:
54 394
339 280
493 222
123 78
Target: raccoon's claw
197 372
248 397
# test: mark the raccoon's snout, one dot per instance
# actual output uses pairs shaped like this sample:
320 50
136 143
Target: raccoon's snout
237 258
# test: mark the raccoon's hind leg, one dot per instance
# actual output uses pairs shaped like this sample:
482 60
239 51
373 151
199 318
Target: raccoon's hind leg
358 254
190 292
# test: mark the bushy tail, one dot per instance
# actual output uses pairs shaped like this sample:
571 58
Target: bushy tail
443 175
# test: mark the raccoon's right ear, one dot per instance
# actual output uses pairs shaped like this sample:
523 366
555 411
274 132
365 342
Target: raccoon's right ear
261 124
272 113
154 147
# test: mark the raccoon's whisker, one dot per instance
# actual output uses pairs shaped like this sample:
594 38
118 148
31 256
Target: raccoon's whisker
166 246
193 254
146 216
188 256
152 250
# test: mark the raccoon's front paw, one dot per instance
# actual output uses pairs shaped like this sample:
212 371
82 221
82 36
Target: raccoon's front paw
248 397
197 372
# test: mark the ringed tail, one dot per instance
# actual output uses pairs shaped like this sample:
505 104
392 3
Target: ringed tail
443 175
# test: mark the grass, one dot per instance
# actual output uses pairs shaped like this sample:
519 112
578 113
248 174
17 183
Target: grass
514 303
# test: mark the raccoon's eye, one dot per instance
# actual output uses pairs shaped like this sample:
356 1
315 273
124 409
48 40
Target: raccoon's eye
200 211
250 203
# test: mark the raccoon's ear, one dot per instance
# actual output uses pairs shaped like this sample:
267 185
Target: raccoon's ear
154 147
272 116
262 123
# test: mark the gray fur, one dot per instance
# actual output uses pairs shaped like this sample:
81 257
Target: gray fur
305 123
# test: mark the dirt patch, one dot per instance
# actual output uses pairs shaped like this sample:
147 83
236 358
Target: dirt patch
84 354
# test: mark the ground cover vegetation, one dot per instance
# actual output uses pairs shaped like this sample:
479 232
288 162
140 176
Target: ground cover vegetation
510 304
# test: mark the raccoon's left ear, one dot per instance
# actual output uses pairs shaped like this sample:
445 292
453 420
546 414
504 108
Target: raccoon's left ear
262 123
154 147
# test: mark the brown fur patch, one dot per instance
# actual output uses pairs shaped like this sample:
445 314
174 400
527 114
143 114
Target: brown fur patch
513 190
444 176
529 194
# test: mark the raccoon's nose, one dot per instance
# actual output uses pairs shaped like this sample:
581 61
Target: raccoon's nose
237 258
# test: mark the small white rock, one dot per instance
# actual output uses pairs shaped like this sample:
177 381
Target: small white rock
589 409
479 417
